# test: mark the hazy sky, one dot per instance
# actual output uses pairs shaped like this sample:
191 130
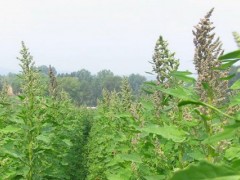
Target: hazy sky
107 34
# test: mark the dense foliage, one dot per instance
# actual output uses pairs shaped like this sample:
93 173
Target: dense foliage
82 87
42 136
179 128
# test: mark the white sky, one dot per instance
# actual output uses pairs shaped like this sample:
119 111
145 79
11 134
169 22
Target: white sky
108 34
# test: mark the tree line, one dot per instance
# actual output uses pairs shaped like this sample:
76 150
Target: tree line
83 87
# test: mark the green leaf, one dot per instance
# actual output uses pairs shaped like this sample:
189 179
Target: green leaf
183 76
227 64
197 155
207 171
148 105
180 92
114 177
237 116
131 157
236 164
227 134
236 85
232 153
10 129
21 97
231 55
17 120
11 152
228 77
148 91
43 138
150 83
4 104
121 174
68 142
183 103
167 132
234 100
155 177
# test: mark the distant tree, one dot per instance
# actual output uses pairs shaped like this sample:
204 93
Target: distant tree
106 79
112 83
14 81
44 69
104 74
1 82
83 74
85 88
71 85
136 81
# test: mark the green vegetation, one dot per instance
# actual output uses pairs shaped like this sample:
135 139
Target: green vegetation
83 87
176 127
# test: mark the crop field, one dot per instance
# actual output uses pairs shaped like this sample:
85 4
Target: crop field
179 127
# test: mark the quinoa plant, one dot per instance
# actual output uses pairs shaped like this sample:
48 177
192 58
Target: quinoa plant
53 85
126 94
207 50
38 131
137 143
164 62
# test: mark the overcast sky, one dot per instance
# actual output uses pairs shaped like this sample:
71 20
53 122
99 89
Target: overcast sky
119 35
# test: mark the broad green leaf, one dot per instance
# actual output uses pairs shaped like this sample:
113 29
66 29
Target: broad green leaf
228 134
148 91
47 128
236 85
185 102
68 142
231 55
150 83
167 132
227 64
197 155
183 73
12 152
183 76
180 92
191 123
155 177
120 174
10 129
237 116
4 104
147 105
228 77
131 157
122 116
149 87
43 138
114 177
236 164
234 100
206 171
21 97
232 153
17 120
